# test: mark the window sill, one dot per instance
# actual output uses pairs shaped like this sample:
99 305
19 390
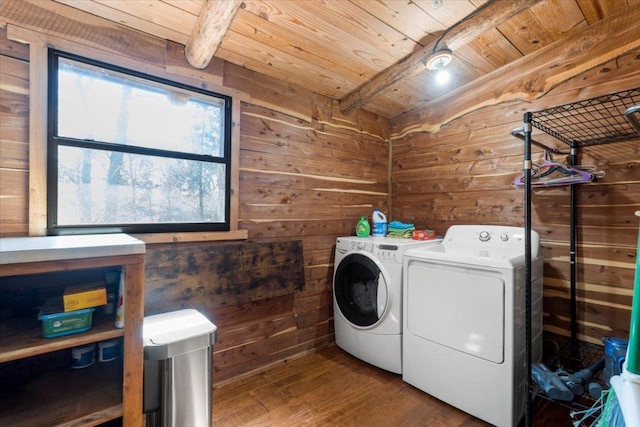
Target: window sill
150 238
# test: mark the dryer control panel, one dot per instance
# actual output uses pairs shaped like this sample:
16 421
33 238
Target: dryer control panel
493 241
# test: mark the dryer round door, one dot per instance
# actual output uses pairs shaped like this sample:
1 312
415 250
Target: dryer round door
360 290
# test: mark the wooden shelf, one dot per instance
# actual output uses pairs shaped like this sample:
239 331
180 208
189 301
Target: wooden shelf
22 338
87 397
72 397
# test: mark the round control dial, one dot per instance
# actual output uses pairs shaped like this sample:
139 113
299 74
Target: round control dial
484 236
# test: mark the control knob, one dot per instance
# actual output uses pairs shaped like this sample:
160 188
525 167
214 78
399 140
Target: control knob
484 236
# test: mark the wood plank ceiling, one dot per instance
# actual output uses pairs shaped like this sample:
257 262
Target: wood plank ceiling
341 48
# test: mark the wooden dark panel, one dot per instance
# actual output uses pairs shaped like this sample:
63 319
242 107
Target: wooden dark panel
214 275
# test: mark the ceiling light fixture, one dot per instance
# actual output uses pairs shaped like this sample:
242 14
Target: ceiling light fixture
440 59
442 77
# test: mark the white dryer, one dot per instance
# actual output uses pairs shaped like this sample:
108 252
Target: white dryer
464 323
367 298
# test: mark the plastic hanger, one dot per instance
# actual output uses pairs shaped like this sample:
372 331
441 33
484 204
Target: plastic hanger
552 174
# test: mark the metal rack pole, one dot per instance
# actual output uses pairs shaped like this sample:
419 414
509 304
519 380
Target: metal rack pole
572 257
527 264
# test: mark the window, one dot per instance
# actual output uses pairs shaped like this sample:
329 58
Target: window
128 152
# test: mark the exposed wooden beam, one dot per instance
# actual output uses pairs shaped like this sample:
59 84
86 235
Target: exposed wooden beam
213 22
474 25
534 75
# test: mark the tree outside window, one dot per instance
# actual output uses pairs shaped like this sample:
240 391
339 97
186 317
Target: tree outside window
132 153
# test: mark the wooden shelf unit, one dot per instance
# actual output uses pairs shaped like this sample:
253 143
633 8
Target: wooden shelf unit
75 397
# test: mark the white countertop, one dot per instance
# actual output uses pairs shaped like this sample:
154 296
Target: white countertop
15 250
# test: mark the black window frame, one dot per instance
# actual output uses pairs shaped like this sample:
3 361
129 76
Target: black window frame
54 141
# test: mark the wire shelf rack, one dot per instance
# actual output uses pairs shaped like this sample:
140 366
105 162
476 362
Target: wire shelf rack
594 121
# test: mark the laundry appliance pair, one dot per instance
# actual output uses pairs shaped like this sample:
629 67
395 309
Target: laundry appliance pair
449 315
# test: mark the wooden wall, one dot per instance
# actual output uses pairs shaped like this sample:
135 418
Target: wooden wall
14 137
463 174
306 175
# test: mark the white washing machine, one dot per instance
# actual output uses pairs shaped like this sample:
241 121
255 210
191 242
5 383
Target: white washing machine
464 323
367 298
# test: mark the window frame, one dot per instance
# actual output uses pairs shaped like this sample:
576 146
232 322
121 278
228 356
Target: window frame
55 141
173 66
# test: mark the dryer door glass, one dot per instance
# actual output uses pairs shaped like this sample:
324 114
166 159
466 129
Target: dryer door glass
358 290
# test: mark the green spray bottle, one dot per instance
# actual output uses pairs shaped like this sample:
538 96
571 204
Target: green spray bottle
362 228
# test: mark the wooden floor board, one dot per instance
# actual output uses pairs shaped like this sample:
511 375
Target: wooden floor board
332 388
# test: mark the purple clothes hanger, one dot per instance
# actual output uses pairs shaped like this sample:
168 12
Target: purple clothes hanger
553 174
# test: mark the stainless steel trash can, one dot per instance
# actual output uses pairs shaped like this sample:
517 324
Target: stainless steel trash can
178 369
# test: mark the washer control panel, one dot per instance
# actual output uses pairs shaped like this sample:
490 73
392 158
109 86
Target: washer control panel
348 245
388 253
383 249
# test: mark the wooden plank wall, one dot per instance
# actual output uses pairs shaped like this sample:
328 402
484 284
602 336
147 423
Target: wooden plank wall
14 137
306 175
463 174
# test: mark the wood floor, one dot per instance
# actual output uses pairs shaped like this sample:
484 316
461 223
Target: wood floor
333 388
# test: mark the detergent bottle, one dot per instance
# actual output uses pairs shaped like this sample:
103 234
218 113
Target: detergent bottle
362 228
379 223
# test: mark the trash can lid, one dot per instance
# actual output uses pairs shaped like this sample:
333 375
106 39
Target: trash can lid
174 326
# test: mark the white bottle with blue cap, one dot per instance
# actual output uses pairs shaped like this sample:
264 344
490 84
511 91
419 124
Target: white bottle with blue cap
379 221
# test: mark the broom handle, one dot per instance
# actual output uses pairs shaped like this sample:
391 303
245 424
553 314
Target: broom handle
633 358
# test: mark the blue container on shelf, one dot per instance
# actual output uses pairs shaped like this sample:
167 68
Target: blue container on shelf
57 323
